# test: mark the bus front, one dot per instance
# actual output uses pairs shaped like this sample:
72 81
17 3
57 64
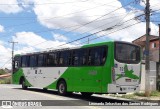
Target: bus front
126 72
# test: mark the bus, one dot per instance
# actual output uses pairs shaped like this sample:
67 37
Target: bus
106 67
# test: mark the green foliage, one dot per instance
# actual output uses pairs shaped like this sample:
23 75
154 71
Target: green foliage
2 72
141 94
129 96
155 93
5 81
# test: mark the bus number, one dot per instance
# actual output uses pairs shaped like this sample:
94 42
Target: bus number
122 69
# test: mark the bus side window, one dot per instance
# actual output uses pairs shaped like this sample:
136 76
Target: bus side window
75 58
104 54
50 59
33 61
97 56
69 58
83 57
65 58
40 60
24 61
61 58
91 56
44 60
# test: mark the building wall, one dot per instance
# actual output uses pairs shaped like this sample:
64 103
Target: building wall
152 77
154 50
154 42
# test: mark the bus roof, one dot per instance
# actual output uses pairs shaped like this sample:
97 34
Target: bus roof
84 46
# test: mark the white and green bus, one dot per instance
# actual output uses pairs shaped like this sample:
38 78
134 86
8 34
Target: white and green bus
107 67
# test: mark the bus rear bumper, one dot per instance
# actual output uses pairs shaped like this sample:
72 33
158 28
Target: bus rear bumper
114 88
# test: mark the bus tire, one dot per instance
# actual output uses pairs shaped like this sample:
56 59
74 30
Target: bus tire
62 88
86 94
24 85
45 89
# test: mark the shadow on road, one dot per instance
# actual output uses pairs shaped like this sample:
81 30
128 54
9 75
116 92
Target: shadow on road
78 96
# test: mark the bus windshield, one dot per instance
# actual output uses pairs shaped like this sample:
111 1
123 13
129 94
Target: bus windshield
127 53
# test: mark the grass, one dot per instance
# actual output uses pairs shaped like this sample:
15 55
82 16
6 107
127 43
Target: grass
142 94
5 81
138 95
155 93
129 96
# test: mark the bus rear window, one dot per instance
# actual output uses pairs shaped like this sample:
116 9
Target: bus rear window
127 53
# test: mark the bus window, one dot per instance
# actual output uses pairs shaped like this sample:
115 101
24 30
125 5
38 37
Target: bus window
127 53
40 60
65 58
44 60
52 59
97 56
103 54
25 61
91 56
33 61
75 58
61 58
17 62
83 57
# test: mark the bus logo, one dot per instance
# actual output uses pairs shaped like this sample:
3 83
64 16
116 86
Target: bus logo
127 73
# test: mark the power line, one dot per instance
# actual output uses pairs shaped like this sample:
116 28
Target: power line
46 3
92 21
61 15
98 32
5 63
109 28
112 32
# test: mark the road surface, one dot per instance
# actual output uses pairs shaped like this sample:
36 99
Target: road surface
14 93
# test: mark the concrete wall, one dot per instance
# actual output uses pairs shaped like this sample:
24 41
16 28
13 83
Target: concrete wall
152 76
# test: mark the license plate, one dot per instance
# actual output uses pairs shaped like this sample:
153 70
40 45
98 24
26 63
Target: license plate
128 80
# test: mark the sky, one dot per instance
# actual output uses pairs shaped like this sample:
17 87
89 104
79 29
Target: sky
39 25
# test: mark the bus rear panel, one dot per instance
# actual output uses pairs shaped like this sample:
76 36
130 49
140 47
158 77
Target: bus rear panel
126 72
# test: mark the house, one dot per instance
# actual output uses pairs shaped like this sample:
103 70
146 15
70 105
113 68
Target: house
153 46
154 60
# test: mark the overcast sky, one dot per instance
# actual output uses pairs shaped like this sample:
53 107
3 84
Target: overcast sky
44 24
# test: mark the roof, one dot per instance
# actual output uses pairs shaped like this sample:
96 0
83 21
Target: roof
154 39
141 40
151 37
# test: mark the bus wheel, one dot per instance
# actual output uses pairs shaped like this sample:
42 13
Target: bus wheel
62 88
24 85
44 89
86 94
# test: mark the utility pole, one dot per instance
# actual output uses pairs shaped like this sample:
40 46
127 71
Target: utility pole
147 67
12 56
88 40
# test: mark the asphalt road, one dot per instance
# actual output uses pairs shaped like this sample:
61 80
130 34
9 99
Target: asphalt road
15 94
